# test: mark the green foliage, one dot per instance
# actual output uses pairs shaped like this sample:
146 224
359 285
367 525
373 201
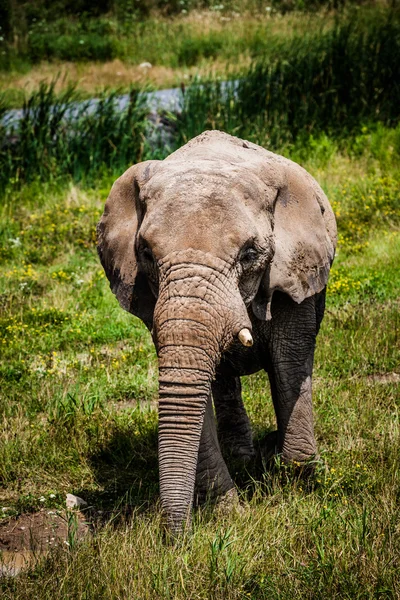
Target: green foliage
79 375
173 43
78 411
59 137
326 81
191 49
160 31
76 47
30 12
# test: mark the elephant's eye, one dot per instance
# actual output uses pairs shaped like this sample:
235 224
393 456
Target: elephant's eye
248 256
148 255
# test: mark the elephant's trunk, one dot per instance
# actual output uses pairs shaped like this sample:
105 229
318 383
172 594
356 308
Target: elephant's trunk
181 412
192 325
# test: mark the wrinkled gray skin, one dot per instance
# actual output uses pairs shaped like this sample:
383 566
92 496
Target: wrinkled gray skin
221 235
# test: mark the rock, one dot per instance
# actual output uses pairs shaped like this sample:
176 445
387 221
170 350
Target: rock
74 501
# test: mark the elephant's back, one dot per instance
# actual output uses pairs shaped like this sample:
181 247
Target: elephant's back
218 145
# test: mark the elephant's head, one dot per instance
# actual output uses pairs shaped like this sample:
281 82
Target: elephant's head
193 245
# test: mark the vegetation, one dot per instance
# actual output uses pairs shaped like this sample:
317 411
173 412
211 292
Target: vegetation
79 376
78 410
58 136
18 14
179 44
105 43
326 81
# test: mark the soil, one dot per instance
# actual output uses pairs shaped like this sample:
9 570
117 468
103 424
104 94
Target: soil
385 378
25 539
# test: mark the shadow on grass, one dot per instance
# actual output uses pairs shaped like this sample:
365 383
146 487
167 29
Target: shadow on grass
268 472
125 466
126 470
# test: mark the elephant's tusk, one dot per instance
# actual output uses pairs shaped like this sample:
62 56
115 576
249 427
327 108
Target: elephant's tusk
245 337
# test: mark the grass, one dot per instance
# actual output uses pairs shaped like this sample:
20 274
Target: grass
78 393
329 81
59 136
177 48
182 40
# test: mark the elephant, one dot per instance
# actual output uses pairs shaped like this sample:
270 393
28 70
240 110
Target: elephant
223 250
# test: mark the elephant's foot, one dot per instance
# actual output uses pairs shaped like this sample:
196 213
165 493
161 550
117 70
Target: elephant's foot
209 491
236 449
302 459
305 468
228 503
299 465
223 504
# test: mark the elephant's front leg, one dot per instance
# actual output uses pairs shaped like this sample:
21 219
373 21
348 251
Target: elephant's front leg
234 428
292 343
212 475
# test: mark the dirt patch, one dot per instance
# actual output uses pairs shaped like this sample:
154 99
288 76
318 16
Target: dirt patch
39 530
29 537
384 378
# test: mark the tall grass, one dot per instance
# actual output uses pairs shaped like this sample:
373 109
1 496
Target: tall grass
17 14
329 81
181 32
58 136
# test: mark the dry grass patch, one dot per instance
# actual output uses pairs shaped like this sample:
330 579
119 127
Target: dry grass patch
93 78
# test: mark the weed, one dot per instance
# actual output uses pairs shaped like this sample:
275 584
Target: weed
72 529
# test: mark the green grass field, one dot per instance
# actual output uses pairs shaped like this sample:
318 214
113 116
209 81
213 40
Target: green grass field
44 41
78 375
78 407
95 54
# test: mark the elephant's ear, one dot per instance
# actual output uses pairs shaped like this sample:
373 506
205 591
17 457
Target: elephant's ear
305 240
116 240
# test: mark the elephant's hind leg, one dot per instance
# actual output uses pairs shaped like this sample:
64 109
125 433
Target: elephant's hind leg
234 430
212 476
